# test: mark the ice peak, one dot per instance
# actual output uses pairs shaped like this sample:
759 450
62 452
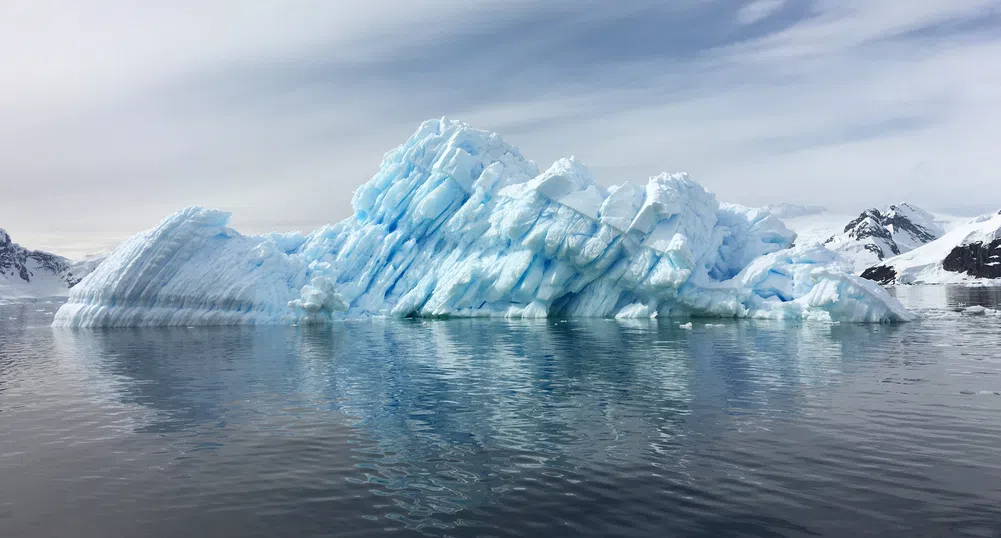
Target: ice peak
442 156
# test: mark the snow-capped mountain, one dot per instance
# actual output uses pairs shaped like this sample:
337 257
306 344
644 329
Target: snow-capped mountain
876 235
458 223
869 238
969 253
34 274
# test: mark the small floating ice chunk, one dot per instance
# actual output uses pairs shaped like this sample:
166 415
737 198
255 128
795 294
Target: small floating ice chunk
687 326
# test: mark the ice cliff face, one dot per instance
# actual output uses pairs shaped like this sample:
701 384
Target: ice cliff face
876 235
457 223
33 274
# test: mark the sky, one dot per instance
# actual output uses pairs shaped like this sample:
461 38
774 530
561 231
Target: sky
114 114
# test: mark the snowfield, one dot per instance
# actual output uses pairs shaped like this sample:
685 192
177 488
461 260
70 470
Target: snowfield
458 223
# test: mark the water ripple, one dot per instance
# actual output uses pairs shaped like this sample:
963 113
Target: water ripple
470 428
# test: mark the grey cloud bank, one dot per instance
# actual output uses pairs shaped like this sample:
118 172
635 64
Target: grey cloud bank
114 115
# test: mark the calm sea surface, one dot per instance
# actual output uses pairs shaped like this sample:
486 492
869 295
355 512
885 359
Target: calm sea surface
492 428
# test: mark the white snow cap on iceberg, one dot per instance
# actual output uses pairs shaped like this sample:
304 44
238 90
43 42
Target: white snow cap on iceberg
457 223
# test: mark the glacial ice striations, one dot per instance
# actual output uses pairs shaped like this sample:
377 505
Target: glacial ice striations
457 223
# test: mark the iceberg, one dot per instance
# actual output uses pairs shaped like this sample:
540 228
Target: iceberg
457 223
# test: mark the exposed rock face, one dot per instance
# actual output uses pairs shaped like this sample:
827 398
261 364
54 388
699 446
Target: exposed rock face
12 258
980 259
900 221
883 274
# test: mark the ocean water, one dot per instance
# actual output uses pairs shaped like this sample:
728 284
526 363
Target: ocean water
493 428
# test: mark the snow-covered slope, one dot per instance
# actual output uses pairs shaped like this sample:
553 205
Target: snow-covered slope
968 253
26 274
817 227
457 223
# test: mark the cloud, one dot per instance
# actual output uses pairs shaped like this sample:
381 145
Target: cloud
115 114
758 10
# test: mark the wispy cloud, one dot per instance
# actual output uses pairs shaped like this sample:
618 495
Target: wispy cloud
113 114
758 10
